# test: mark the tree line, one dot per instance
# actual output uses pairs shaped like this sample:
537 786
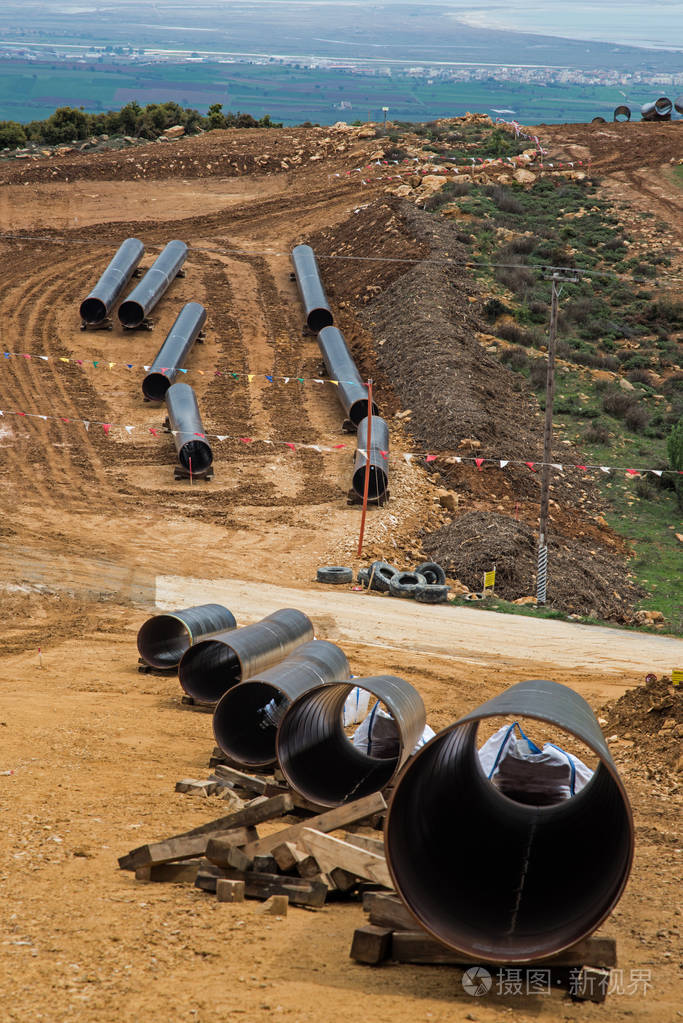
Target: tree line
68 124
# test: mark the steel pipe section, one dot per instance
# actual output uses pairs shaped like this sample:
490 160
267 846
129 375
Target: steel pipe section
378 454
659 110
501 880
311 290
678 104
153 285
208 669
99 303
194 451
317 758
352 392
175 349
246 718
622 113
163 639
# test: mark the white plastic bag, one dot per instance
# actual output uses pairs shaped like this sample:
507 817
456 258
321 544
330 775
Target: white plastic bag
519 768
378 735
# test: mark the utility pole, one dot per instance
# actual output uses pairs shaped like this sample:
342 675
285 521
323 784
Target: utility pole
385 111
558 277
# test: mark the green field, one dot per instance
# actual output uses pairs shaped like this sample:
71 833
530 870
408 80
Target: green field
31 91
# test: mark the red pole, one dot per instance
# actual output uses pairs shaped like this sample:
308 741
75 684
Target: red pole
367 470
190 461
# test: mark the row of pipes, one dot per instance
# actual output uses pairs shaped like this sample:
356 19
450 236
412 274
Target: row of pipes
351 391
499 879
195 457
658 110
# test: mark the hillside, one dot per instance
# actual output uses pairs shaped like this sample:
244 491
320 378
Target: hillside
439 292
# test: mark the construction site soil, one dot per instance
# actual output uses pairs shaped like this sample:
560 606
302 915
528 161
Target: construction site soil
92 522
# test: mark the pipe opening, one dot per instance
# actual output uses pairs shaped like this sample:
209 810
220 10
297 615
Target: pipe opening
359 411
163 640
93 310
494 869
197 452
319 318
377 483
245 722
131 314
622 113
318 758
208 670
154 387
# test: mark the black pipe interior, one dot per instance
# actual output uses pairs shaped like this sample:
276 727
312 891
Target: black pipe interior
377 483
93 310
496 878
359 411
131 314
200 454
163 640
154 387
240 726
319 318
208 670
319 760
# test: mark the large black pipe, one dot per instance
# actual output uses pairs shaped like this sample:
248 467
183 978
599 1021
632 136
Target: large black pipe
319 760
246 717
351 391
313 297
215 665
378 483
163 639
172 354
659 110
678 104
501 880
194 452
153 285
99 303
622 113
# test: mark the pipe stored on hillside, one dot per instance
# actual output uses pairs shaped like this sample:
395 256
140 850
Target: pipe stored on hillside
352 392
678 104
172 354
317 758
311 290
660 110
500 880
622 113
195 456
246 718
99 303
157 280
208 669
163 639
379 460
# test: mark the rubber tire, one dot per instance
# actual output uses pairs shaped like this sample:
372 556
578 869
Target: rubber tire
400 588
432 593
335 574
363 577
383 573
433 573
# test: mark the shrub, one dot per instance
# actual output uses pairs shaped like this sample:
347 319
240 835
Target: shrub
515 358
598 433
636 418
12 135
538 374
617 403
641 376
505 200
511 332
494 308
518 279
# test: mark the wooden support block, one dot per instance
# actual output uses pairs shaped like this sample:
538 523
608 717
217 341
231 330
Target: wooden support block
371 944
342 880
307 866
262 886
589 984
332 852
247 781
234 858
185 870
182 847
276 905
419 947
374 845
338 817
197 788
388 911
286 855
264 864
228 890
